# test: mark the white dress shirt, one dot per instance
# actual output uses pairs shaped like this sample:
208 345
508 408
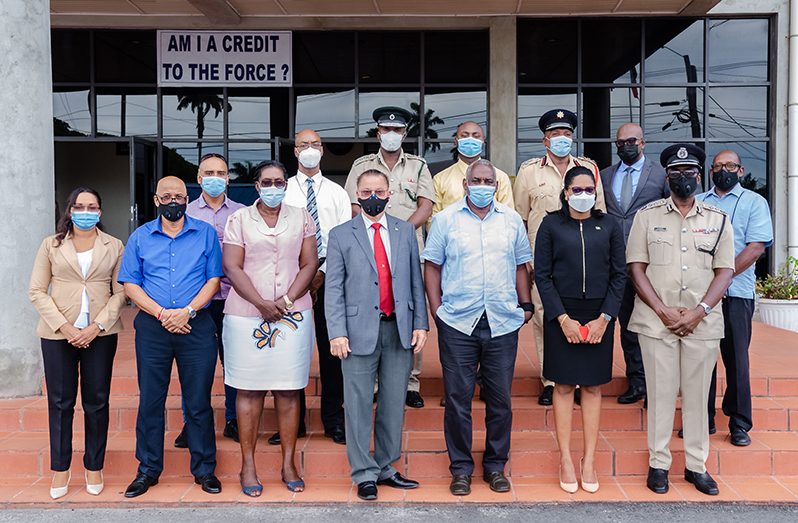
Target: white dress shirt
84 260
386 239
332 203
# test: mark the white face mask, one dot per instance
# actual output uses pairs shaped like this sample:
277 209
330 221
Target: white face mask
391 141
309 158
582 202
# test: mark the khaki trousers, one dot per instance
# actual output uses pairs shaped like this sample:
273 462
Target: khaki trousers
670 364
537 328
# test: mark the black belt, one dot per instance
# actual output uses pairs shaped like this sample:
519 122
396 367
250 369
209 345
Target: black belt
388 317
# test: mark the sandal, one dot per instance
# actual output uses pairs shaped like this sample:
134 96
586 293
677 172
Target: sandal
252 491
294 486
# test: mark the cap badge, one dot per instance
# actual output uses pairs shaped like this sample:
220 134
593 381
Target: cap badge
681 153
392 116
560 114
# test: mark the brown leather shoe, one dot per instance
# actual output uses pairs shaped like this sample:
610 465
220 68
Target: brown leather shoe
498 481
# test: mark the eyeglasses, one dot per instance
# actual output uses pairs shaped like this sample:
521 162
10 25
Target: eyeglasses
729 166
167 198
280 184
221 174
381 193
307 145
586 190
675 174
628 141
85 208
212 155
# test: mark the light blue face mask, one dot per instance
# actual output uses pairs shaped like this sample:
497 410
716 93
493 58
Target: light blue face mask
469 147
85 220
271 196
481 195
213 185
560 146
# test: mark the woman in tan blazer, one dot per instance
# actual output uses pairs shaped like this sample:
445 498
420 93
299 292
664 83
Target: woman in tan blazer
78 328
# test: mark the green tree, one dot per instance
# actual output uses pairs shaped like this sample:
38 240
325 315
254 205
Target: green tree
201 104
414 125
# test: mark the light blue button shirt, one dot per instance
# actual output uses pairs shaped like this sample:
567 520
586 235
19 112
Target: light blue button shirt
617 180
479 260
750 216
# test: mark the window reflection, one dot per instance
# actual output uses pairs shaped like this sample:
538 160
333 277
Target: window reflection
674 113
182 159
738 50
249 116
529 150
440 157
737 112
454 107
329 113
604 109
127 112
71 113
547 51
532 103
369 101
193 113
611 51
69 49
668 41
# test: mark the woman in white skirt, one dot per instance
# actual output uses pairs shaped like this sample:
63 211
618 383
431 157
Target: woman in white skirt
270 258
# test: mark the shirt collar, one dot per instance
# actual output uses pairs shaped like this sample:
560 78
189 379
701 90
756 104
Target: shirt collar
698 207
382 160
202 203
303 178
461 164
188 224
463 205
382 221
737 191
637 166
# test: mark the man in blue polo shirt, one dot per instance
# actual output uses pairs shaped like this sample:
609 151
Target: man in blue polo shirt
749 215
171 269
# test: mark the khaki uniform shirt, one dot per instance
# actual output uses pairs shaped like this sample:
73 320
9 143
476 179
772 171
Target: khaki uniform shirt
409 180
538 186
679 270
448 185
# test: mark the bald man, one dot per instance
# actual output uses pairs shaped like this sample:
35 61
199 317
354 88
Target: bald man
171 270
630 184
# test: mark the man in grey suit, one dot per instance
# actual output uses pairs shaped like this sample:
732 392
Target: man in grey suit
630 184
377 319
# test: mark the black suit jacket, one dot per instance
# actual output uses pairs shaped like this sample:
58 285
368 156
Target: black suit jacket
652 186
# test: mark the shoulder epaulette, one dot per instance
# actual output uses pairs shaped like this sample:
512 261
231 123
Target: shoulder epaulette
531 161
713 208
586 159
654 204
365 158
415 157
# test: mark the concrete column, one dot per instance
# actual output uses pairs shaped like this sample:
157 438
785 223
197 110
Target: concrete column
27 199
502 102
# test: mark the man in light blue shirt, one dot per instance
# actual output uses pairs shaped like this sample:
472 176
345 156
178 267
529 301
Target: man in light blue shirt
749 215
479 294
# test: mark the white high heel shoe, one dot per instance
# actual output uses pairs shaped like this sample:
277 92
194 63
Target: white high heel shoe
592 488
94 490
570 488
60 492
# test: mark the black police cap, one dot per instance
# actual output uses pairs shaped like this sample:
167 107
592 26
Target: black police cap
557 119
390 116
682 154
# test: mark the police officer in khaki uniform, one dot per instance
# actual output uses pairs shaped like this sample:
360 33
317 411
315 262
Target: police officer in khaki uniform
412 194
537 192
680 256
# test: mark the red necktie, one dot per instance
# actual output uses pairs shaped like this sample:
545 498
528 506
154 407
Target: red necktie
383 271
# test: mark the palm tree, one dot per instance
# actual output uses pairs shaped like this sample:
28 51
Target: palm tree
243 172
201 104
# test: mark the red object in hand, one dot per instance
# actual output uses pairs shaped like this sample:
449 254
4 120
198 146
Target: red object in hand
583 331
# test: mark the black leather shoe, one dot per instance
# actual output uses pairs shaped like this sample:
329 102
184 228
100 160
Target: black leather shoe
545 397
209 484
275 439
703 482
740 438
140 485
498 481
231 430
414 400
337 434
578 396
367 490
460 485
181 441
657 480
443 402
632 395
398 481
712 430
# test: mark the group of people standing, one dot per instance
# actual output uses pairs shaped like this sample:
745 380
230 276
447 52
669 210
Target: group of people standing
567 246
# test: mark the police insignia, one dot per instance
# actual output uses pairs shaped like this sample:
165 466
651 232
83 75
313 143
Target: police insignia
681 153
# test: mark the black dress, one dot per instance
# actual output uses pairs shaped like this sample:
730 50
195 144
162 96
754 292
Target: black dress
580 270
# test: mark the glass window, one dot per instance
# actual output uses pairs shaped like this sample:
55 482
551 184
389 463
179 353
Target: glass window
668 41
69 51
249 114
71 111
127 112
603 153
193 113
329 113
611 51
738 50
533 102
243 158
456 57
737 112
753 157
182 159
604 109
547 51
439 155
528 150
445 109
369 101
324 57
125 57
389 57
669 114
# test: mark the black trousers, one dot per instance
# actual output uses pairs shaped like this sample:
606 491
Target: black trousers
332 380
64 367
631 347
737 316
460 356
195 354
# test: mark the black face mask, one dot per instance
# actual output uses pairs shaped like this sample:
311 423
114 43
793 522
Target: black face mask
373 205
683 187
724 180
172 212
628 153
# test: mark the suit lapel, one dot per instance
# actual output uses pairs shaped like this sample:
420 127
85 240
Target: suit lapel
100 251
641 182
609 197
70 254
360 232
393 237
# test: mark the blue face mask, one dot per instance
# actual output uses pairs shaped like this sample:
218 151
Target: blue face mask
481 195
469 147
213 185
271 196
560 146
85 220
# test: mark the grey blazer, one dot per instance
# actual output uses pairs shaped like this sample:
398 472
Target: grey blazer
652 186
352 296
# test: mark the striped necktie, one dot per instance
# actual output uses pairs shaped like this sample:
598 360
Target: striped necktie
314 212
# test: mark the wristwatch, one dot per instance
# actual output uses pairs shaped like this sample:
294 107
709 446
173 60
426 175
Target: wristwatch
606 317
191 312
288 303
100 326
707 308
